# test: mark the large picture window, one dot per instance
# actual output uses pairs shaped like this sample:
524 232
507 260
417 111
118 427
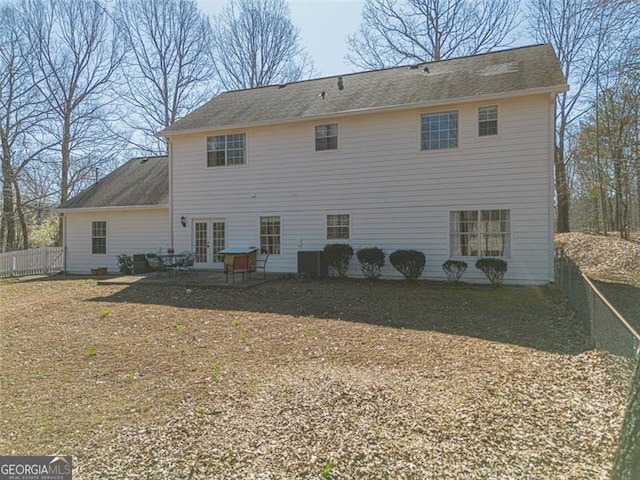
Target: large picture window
338 227
223 150
480 233
439 130
327 137
99 238
270 235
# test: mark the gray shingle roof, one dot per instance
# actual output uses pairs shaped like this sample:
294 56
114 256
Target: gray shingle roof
141 181
492 74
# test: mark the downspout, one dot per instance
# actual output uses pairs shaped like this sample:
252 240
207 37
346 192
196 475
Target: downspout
64 243
170 154
551 185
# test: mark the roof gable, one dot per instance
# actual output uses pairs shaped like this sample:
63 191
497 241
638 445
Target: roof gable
506 72
142 181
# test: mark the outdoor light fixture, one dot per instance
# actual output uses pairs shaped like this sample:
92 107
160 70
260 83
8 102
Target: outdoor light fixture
183 221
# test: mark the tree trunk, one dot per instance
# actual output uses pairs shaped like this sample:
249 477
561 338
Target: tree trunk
21 218
626 465
8 239
562 192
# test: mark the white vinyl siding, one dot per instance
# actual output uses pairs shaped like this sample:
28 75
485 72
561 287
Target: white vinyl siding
401 197
129 231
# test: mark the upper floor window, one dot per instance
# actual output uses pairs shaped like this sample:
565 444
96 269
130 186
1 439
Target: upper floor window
225 150
480 233
327 137
488 121
270 235
98 237
439 130
338 227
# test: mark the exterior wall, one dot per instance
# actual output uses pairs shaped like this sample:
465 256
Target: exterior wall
128 231
397 195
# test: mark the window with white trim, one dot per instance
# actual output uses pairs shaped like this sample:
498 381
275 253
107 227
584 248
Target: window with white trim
480 233
327 137
223 150
98 238
488 121
338 227
270 235
439 130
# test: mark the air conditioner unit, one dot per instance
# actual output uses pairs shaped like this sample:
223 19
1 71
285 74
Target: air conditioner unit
312 263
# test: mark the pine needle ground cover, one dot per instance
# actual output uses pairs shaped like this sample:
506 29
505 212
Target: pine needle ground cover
305 379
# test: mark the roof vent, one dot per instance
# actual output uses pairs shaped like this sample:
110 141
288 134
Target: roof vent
413 67
340 84
323 94
425 69
282 85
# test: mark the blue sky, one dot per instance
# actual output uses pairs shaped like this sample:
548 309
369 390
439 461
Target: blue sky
324 26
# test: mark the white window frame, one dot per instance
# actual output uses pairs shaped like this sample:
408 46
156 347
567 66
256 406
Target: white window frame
332 220
98 237
481 234
326 137
272 248
423 146
484 120
228 137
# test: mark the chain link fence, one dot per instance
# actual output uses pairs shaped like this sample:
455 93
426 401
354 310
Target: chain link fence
610 331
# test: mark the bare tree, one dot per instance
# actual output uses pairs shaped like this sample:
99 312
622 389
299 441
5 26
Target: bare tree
22 112
396 31
168 70
76 56
584 33
256 44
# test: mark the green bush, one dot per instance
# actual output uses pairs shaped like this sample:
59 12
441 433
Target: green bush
371 261
409 263
338 256
454 269
493 268
125 264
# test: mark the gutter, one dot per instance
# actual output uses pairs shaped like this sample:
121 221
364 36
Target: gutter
111 208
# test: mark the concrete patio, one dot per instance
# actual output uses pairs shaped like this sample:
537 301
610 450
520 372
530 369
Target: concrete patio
193 278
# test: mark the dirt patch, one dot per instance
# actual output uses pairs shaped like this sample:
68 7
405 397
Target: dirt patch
296 379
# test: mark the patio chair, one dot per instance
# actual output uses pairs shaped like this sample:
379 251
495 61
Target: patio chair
155 263
240 264
261 264
187 261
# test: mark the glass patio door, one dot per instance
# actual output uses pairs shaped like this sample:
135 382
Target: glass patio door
208 239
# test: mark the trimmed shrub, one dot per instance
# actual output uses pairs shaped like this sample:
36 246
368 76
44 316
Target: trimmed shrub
338 256
454 269
409 263
125 263
493 268
371 261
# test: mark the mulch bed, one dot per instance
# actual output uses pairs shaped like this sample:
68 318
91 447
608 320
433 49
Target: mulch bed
305 379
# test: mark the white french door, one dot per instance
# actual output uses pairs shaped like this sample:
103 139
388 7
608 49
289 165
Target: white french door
209 237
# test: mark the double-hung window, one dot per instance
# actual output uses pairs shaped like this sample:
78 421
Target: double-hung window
270 235
99 238
439 131
487 121
480 233
223 150
327 137
338 227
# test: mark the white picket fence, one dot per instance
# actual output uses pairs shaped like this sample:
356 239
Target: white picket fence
31 262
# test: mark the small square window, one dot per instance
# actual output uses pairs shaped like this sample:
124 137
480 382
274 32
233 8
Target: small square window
338 227
327 137
225 150
439 131
488 121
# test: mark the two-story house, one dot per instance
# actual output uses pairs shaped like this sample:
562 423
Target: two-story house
453 158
